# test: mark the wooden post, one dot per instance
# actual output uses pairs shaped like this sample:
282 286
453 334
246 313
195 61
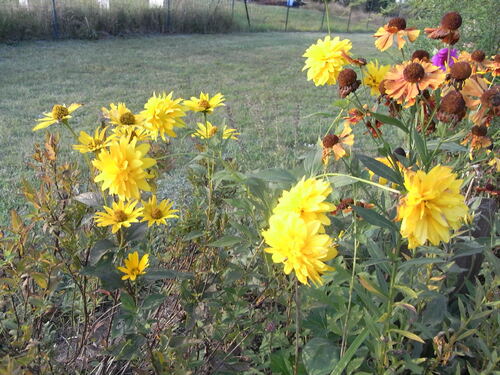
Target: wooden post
232 10
323 18
166 6
248 16
55 24
349 19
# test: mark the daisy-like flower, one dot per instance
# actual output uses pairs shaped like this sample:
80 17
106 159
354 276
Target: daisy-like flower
348 82
124 168
404 82
432 207
58 114
477 138
354 116
395 28
485 101
300 245
447 31
335 144
206 131
134 267
452 108
94 143
476 59
493 66
130 132
373 75
308 200
120 115
121 214
326 59
444 59
162 115
204 103
155 213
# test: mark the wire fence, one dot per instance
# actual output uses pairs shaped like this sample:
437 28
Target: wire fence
28 19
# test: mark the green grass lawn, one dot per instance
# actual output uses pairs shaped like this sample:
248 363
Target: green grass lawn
268 97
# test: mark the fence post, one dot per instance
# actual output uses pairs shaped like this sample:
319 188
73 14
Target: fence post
287 12
349 19
55 24
323 18
166 7
232 11
248 16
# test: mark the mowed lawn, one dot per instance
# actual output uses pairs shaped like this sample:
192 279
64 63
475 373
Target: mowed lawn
268 96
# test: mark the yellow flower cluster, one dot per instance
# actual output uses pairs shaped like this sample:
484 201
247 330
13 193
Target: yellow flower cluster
296 236
432 207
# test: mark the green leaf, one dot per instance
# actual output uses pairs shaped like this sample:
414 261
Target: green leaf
419 262
275 175
280 363
106 271
466 334
340 181
374 218
446 146
193 235
344 361
380 169
408 335
136 232
390 121
152 301
226 241
320 356
100 248
420 145
128 348
128 303
160 274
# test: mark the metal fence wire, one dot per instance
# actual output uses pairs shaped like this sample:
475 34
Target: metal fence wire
22 19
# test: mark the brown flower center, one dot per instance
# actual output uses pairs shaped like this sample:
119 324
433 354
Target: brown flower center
497 59
420 54
460 71
347 77
451 21
156 213
414 72
398 22
453 103
127 118
330 140
479 131
478 56
204 104
59 112
491 97
120 216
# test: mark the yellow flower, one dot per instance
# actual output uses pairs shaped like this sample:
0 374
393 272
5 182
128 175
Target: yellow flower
432 207
130 132
155 213
204 103
335 144
162 114
123 168
58 114
325 60
206 131
90 143
373 75
307 199
122 116
134 267
121 214
300 246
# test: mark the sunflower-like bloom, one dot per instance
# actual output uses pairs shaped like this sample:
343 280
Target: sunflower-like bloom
162 114
404 82
432 207
120 115
300 246
307 199
134 267
130 132
155 213
90 143
336 144
58 114
206 131
121 214
373 75
123 168
204 103
395 27
325 60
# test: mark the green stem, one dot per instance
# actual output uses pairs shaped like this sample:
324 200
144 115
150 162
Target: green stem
361 180
297 327
327 11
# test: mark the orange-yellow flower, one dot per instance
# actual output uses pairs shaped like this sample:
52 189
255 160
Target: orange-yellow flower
120 214
335 144
205 103
155 213
396 27
59 113
404 82
120 115
134 267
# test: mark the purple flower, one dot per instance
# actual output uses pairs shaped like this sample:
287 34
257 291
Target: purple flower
440 58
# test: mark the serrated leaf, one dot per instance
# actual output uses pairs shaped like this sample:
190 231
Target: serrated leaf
226 241
408 335
90 199
390 121
320 356
380 169
374 218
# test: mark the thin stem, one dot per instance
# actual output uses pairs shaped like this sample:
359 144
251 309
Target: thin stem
297 327
327 11
360 180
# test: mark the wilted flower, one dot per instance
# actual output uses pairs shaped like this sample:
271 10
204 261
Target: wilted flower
422 55
477 138
348 82
459 72
447 31
336 144
452 108
396 27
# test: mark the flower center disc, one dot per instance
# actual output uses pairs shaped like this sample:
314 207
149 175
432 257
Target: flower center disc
59 112
414 72
156 213
120 216
127 118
